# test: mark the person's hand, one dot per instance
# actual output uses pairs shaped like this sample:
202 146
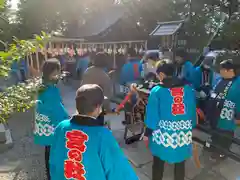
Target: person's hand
202 94
133 87
146 140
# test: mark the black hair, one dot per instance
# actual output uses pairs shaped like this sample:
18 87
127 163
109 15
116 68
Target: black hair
228 65
88 98
131 52
100 60
166 66
152 55
49 66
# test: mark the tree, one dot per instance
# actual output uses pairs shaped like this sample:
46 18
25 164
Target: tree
21 96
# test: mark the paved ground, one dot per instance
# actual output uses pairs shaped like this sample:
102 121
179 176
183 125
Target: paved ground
25 161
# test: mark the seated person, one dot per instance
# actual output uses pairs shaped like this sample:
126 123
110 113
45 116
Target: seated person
223 106
83 148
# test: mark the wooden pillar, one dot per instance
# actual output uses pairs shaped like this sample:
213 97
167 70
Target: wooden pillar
28 62
28 66
45 52
37 59
31 60
114 56
145 45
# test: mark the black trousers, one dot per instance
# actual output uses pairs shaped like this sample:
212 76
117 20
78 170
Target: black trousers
223 139
47 156
158 170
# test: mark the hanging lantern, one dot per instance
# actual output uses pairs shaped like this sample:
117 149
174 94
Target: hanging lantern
49 50
141 50
105 48
114 49
65 50
109 51
136 48
94 48
56 51
42 51
53 53
68 50
120 50
124 49
61 51
89 49
79 51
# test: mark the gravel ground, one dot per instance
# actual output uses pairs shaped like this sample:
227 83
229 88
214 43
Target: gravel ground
25 161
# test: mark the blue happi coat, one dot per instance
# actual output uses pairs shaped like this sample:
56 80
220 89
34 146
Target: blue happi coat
198 81
131 71
82 63
230 108
171 115
49 112
85 150
187 71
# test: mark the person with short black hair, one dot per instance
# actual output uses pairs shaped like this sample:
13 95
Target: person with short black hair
149 61
131 52
83 148
224 107
184 67
49 108
171 104
204 79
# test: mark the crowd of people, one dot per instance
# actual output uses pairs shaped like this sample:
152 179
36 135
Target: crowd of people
81 147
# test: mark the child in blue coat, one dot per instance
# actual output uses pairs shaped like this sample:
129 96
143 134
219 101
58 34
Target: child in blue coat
170 118
49 108
83 148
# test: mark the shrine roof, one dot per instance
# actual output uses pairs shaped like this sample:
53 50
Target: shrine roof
100 22
166 28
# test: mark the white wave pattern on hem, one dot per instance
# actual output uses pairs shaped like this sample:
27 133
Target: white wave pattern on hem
175 125
42 126
174 140
43 129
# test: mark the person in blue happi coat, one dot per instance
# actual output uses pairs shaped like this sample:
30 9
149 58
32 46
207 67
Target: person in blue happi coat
223 107
83 148
204 80
82 64
49 108
204 76
132 69
170 119
185 67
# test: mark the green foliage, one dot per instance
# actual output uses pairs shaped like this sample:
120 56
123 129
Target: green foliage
2 2
20 97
